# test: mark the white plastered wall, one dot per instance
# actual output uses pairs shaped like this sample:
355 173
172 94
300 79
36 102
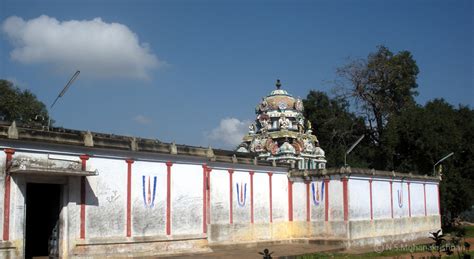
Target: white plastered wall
359 199
220 212
381 206
336 209
186 199
261 198
106 198
432 197
280 197
417 199
299 201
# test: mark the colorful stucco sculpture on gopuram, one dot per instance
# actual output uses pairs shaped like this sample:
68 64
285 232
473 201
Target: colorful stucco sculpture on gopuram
281 132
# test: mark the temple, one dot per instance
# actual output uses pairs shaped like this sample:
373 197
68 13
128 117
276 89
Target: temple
282 133
79 194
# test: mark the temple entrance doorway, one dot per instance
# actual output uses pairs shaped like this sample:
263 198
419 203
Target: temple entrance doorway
42 219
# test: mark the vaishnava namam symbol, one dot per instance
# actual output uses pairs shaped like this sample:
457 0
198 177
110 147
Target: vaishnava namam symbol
241 194
148 195
400 195
317 195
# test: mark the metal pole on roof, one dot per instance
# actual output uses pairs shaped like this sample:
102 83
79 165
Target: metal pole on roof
66 87
441 160
351 148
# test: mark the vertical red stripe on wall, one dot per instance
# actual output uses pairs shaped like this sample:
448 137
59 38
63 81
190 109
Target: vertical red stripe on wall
83 208
371 208
84 159
204 198
308 208
6 209
290 200
129 196
208 196
424 196
230 196
391 198
251 196
409 200
326 201
271 202
168 197
6 198
345 198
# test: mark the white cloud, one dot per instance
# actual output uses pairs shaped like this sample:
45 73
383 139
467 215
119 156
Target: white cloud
97 48
142 119
229 133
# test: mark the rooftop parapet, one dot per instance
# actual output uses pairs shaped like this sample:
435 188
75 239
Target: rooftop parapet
71 137
360 172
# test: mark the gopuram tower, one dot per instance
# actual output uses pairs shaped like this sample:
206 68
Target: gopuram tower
281 133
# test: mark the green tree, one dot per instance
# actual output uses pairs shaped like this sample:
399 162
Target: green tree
420 135
335 127
21 106
455 194
382 85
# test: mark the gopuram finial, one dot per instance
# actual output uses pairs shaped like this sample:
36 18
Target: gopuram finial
278 84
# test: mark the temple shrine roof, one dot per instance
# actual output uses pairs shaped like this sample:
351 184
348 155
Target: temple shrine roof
280 131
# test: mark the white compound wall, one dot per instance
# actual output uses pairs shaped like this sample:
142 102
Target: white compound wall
139 199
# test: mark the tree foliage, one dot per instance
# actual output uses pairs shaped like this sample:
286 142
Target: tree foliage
335 126
383 85
21 106
418 137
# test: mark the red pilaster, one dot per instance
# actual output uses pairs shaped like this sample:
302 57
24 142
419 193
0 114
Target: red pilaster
345 198
6 197
129 196
84 159
208 196
231 211
290 200
424 196
168 197
251 196
204 198
326 199
271 202
391 198
409 200
371 208
308 208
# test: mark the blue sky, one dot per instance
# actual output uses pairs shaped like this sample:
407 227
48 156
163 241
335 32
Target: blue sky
193 71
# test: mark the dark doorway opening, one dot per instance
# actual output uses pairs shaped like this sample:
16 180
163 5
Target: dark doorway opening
42 215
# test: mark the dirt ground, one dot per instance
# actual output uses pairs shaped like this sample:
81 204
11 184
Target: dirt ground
293 250
252 251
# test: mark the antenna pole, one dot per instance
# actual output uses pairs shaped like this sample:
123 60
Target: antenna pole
351 148
66 87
